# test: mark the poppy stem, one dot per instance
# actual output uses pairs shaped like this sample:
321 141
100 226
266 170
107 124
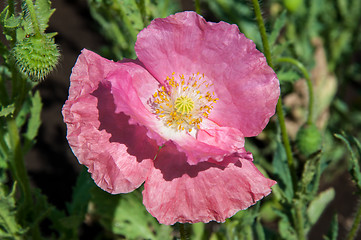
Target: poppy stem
20 175
356 224
17 163
279 109
304 71
197 6
184 234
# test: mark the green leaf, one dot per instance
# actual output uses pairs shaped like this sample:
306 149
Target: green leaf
282 172
68 225
354 163
81 194
23 114
34 121
9 228
259 230
9 21
310 176
124 214
319 204
285 228
43 13
7 110
333 231
41 208
277 27
288 76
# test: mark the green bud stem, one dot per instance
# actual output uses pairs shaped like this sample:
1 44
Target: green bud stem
279 109
4 97
304 71
17 163
197 6
143 12
184 232
356 224
34 20
19 173
299 221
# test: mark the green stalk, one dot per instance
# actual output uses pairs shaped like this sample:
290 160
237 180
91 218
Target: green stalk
279 109
11 5
183 231
34 20
143 12
299 221
19 173
3 146
18 166
4 98
304 71
356 224
197 6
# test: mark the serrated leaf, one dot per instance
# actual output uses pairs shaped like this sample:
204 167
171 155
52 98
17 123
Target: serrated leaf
286 230
23 113
9 23
282 172
3 14
68 225
81 194
355 164
319 204
277 27
126 215
8 225
43 13
131 10
7 110
161 8
278 49
310 171
41 207
34 120
288 76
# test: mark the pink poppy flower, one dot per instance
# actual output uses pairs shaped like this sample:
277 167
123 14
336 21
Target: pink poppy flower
197 89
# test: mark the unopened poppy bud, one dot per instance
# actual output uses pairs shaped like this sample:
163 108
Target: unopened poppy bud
308 139
36 56
293 5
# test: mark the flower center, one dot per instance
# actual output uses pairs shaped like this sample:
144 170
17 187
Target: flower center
183 102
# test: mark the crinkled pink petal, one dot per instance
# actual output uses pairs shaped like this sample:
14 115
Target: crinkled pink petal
246 86
118 154
178 192
132 87
230 139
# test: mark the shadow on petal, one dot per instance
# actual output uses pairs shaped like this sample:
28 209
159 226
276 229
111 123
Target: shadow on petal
173 164
117 124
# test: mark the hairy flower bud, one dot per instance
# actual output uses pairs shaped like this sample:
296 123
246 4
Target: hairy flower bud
308 139
36 56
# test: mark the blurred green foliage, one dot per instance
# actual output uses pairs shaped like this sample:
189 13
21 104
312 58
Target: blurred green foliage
121 20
